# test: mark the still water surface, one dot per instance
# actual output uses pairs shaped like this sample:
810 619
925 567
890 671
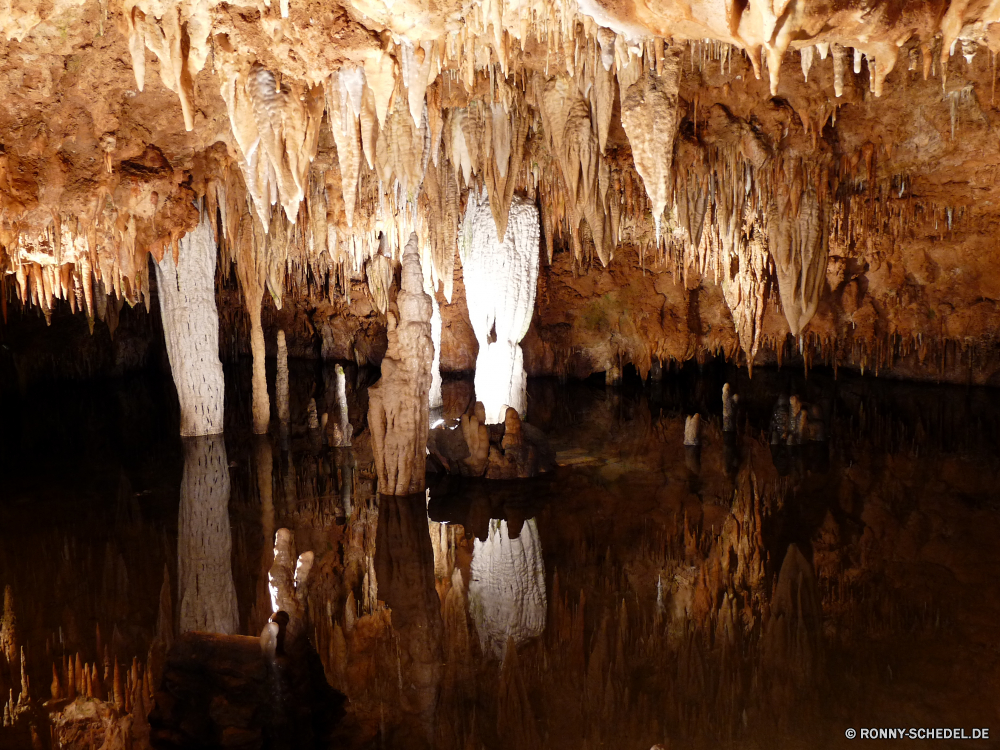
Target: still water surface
748 594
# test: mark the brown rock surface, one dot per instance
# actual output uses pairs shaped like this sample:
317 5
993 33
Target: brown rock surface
826 170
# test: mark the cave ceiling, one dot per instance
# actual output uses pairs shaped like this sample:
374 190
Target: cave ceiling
798 155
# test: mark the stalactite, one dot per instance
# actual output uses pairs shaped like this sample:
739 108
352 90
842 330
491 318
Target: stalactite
566 117
186 284
650 119
501 280
434 396
798 234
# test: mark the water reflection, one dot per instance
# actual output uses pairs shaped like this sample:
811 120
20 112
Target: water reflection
507 587
205 587
404 567
769 596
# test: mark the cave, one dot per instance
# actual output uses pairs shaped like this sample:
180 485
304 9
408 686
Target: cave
507 374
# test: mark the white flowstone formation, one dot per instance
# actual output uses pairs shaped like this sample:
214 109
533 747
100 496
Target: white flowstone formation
500 282
205 586
191 327
507 596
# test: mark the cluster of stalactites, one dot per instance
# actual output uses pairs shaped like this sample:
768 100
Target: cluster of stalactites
91 263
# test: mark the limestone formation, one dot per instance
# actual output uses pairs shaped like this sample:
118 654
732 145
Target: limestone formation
690 164
398 408
501 279
186 286
797 238
650 118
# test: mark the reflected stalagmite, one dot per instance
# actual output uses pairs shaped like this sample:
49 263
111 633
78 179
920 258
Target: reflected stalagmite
186 285
206 592
507 598
404 568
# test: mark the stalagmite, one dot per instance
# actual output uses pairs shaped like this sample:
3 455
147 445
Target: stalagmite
287 580
343 431
500 280
186 287
281 382
398 411
435 398
650 119
798 236
692 430
206 593
507 597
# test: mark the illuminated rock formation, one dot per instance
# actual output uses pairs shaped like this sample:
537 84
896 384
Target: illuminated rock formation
398 407
205 590
500 278
287 580
186 287
693 168
507 598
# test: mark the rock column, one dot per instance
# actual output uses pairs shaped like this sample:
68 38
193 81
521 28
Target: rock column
398 411
186 287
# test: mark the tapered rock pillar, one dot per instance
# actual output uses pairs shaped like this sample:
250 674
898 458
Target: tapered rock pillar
261 404
398 411
500 282
205 586
191 328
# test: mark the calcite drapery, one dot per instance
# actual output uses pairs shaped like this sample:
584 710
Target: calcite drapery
205 586
797 238
650 118
398 411
500 280
186 286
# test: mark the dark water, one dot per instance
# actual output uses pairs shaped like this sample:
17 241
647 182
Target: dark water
743 595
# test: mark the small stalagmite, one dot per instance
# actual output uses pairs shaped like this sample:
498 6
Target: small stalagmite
398 410
343 432
186 286
728 409
501 280
287 579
